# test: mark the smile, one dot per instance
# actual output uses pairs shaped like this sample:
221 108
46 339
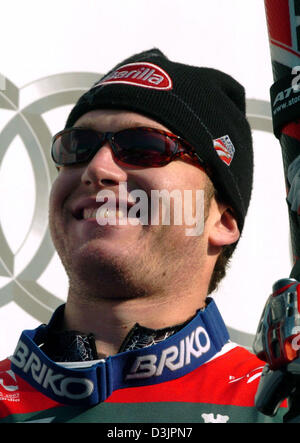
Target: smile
94 213
106 208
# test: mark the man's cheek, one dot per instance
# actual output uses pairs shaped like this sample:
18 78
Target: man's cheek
62 188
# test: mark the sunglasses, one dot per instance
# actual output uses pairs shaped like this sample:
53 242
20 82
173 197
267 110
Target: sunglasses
141 146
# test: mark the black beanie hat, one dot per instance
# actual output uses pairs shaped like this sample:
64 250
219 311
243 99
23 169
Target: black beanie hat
202 105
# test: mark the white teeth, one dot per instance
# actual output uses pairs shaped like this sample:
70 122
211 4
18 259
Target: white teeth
89 213
103 212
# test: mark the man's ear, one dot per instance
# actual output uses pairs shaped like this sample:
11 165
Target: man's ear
224 228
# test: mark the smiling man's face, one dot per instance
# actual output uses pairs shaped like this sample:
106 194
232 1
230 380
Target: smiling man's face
123 260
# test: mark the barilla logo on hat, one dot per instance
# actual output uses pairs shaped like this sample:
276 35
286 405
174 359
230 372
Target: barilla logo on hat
146 75
224 148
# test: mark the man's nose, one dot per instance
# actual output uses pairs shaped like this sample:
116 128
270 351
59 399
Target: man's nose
103 170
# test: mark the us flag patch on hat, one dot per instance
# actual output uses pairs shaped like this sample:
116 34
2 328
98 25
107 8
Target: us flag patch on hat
225 149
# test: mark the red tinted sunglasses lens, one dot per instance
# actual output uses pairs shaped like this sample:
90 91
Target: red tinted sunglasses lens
143 147
135 146
75 146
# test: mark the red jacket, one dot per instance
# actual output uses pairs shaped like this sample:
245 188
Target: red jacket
220 390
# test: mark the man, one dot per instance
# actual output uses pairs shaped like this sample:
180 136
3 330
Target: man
139 340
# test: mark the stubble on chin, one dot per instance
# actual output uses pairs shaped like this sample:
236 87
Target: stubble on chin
147 269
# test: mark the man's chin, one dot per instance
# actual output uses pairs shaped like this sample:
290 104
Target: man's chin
106 283
105 273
